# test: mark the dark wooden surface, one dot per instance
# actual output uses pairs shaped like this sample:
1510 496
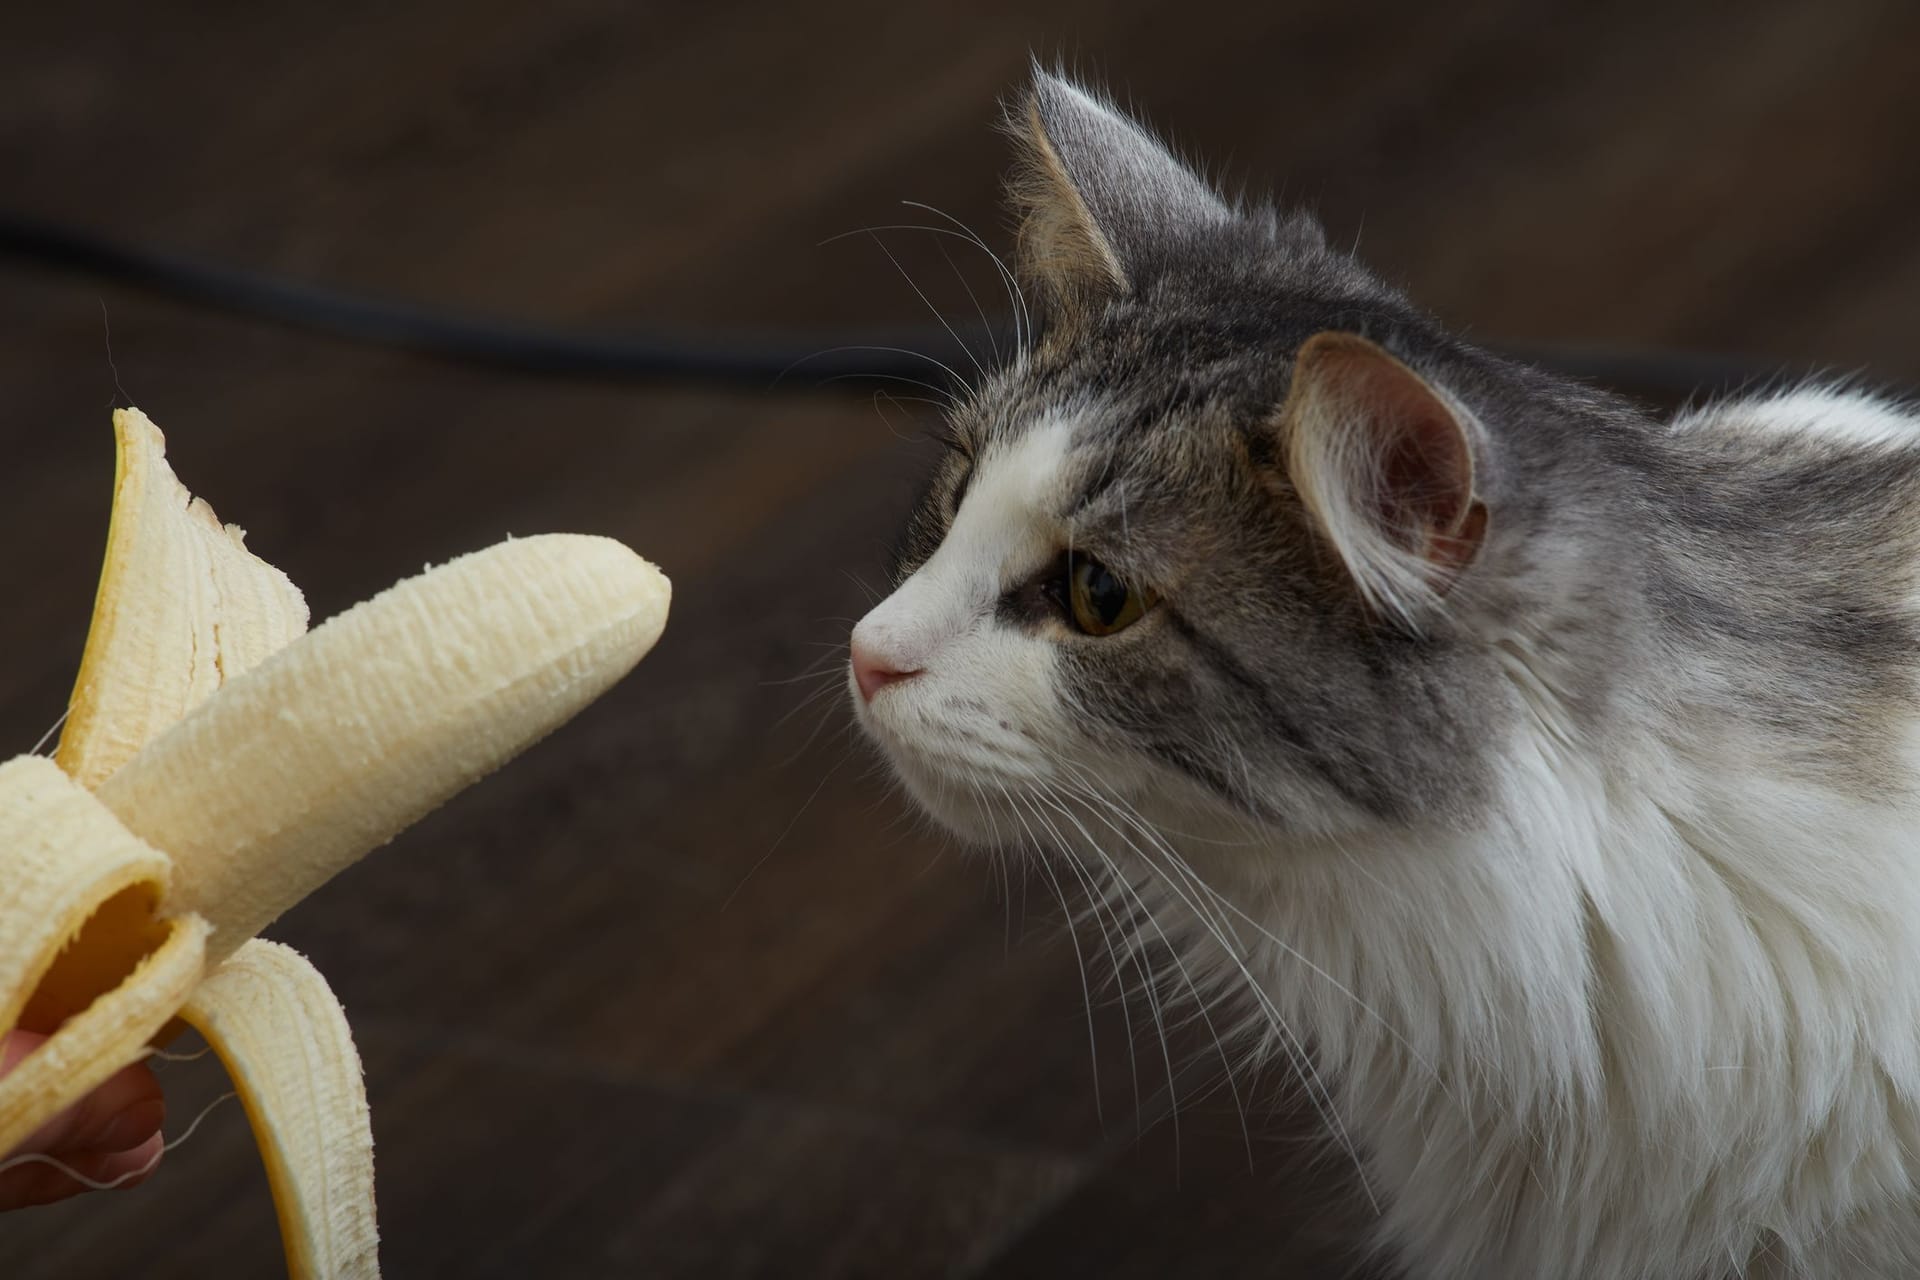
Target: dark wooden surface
613 1023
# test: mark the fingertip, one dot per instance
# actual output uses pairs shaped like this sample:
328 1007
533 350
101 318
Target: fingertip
16 1045
134 1125
124 1112
133 1166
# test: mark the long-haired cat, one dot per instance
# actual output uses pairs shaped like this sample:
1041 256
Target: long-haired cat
1547 769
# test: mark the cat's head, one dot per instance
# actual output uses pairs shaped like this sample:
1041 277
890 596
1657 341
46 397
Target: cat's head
1211 545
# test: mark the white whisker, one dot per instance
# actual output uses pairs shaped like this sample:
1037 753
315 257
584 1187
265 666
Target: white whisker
1148 989
48 735
986 321
937 315
1317 1091
1093 1039
1135 956
1200 1003
1023 319
785 832
942 365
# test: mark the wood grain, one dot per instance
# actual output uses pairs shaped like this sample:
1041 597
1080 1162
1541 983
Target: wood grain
686 992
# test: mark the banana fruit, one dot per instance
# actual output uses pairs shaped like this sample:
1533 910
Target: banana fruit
220 763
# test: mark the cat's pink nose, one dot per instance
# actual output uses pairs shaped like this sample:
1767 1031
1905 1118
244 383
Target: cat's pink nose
873 672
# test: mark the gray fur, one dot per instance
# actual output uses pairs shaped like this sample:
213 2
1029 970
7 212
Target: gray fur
1759 587
1591 881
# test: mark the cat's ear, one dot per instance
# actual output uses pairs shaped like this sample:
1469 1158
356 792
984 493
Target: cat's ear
1097 196
1384 462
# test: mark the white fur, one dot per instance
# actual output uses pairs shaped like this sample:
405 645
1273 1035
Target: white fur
984 691
1825 412
1659 1019
1653 1011
1334 460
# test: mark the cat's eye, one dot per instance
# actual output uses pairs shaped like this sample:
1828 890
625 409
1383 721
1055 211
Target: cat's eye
1099 601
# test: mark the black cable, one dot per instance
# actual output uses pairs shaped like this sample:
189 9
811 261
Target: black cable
761 363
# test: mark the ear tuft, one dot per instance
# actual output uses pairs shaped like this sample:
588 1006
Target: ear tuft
1061 248
1098 198
1384 462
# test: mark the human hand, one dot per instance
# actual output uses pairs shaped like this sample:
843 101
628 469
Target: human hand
111 1134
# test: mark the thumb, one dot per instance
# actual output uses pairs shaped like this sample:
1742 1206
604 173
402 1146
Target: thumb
112 1131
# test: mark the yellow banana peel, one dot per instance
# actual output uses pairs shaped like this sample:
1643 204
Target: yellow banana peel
219 763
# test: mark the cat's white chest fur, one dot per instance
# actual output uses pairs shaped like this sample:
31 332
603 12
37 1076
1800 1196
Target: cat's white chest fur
1658 1017
1536 778
1610 1036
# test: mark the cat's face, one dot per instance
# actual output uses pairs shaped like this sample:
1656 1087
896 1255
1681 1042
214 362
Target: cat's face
1179 556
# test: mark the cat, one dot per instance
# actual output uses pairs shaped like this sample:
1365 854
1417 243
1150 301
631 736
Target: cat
1537 777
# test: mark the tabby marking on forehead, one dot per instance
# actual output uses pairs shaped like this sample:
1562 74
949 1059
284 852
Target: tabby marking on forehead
1537 780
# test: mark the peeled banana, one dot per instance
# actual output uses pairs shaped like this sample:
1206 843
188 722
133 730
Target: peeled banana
219 764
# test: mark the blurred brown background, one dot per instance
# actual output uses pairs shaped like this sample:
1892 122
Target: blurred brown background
613 1024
